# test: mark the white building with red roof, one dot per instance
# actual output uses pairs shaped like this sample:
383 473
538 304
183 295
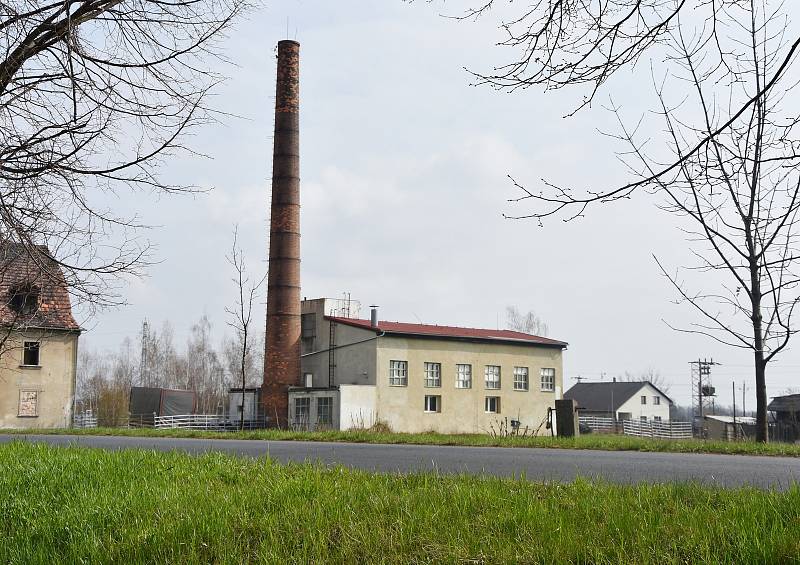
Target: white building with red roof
420 377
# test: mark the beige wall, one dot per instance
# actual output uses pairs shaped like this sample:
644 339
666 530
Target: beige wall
462 410
54 380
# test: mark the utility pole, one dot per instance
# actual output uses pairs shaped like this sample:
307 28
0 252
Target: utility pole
703 392
143 364
735 429
744 405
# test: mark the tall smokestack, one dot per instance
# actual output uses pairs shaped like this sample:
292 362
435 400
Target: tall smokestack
282 349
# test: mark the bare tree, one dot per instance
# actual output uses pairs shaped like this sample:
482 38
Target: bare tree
528 323
94 95
651 375
241 313
729 169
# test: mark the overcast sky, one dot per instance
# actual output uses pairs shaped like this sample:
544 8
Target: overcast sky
404 182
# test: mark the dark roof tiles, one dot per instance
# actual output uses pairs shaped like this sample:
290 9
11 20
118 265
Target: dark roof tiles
606 397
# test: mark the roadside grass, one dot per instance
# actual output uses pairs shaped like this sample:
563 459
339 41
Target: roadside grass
80 505
608 442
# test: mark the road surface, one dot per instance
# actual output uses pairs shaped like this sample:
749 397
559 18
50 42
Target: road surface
622 467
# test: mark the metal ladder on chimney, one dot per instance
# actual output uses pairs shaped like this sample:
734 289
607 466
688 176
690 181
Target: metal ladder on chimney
332 354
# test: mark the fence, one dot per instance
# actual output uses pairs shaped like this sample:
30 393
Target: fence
215 422
599 425
660 430
640 428
84 420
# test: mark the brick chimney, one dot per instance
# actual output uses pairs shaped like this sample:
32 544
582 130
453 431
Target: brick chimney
282 349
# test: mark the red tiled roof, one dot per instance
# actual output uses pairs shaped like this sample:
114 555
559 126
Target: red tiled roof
449 331
20 267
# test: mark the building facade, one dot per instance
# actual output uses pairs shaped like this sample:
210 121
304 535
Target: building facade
39 345
417 377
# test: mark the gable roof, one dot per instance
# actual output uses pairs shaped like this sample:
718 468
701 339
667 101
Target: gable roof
607 397
22 267
450 332
787 403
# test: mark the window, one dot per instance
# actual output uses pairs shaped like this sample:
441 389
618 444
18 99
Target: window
308 326
28 404
492 404
644 399
30 354
24 299
643 418
325 410
520 378
301 410
463 376
398 373
433 375
656 400
548 379
433 403
492 377
656 418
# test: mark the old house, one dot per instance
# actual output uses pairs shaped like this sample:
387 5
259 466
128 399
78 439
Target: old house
621 400
420 377
39 340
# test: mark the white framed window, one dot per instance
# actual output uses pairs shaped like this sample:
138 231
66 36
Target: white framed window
463 376
302 410
548 379
492 404
492 377
656 418
433 375
644 399
656 400
325 410
433 403
28 404
398 373
30 354
520 378
643 418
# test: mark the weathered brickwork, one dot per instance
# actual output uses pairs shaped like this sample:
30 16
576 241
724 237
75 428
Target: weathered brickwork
282 353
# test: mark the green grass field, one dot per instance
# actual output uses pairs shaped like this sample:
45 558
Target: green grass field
593 441
78 505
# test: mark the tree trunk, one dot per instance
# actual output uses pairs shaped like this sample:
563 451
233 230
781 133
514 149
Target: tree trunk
762 430
762 427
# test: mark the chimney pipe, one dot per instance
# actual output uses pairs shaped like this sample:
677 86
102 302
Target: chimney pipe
373 317
282 348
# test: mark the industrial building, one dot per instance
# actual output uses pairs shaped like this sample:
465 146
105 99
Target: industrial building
419 377
39 349
324 367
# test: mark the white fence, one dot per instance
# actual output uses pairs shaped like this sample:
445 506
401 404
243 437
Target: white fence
191 421
84 420
599 425
639 428
659 430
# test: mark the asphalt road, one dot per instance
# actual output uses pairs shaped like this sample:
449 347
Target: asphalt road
534 464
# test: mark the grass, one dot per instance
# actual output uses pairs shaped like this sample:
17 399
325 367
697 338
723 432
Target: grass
594 441
79 505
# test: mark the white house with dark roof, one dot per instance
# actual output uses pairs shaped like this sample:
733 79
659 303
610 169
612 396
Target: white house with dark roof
420 377
621 400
